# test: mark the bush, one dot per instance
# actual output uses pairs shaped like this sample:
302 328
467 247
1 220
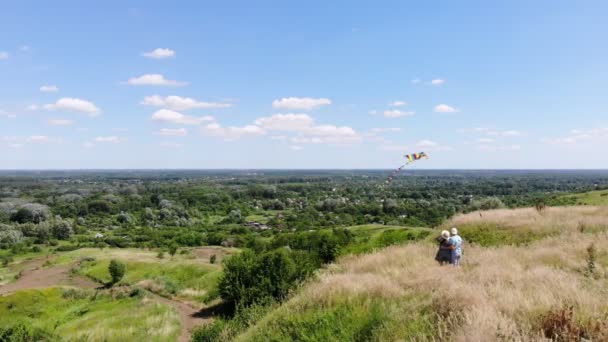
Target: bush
67 248
62 230
212 259
250 278
117 270
172 249
24 332
209 332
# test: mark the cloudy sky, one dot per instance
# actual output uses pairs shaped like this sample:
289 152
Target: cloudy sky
312 84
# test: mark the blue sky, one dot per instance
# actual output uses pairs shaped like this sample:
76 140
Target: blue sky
315 84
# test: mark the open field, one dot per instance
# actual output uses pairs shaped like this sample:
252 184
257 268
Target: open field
543 289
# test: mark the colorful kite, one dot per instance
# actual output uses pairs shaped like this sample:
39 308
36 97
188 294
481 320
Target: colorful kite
410 159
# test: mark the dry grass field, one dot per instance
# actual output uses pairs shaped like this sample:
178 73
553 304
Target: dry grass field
551 288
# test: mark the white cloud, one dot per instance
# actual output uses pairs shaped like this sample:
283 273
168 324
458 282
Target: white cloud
511 133
177 132
296 148
302 125
331 134
430 145
231 133
180 103
485 140
437 81
494 148
305 103
49 89
32 107
306 140
285 122
154 80
397 104
492 132
507 133
159 53
443 108
170 116
8 138
592 136
74 105
373 112
415 81
110 139
38 139
7 114
60 122
396 113
12 142
427 143
3 55
382 130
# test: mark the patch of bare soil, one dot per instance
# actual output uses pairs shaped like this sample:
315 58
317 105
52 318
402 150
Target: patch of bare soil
188 314
34 275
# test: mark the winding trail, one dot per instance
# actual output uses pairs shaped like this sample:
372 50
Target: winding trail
35 276
188 315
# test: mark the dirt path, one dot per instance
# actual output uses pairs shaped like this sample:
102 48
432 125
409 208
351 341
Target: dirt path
35 276
188 315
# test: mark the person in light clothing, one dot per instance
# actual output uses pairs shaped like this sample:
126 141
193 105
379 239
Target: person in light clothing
456 244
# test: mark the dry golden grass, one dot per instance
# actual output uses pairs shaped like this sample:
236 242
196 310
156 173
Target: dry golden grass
502 293
551 218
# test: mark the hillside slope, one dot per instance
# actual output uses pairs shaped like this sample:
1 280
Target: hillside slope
546 286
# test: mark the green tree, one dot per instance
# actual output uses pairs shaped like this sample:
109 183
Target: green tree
117 270
173 249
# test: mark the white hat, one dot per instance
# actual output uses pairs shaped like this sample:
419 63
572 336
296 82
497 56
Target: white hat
445 234
454 231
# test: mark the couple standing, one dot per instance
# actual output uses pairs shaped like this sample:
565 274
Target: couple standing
450 248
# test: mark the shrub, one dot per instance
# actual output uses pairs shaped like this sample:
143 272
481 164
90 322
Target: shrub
117 270
249 278
67 248
62 230
209 332
24 332
173 249
212 259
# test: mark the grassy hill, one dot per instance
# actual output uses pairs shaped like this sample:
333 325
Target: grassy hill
56 314
527 275
599 197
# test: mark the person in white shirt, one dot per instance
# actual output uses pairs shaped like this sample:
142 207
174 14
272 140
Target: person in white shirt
456 242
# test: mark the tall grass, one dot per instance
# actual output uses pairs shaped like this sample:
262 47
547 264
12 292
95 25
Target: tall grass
529 292
523 226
